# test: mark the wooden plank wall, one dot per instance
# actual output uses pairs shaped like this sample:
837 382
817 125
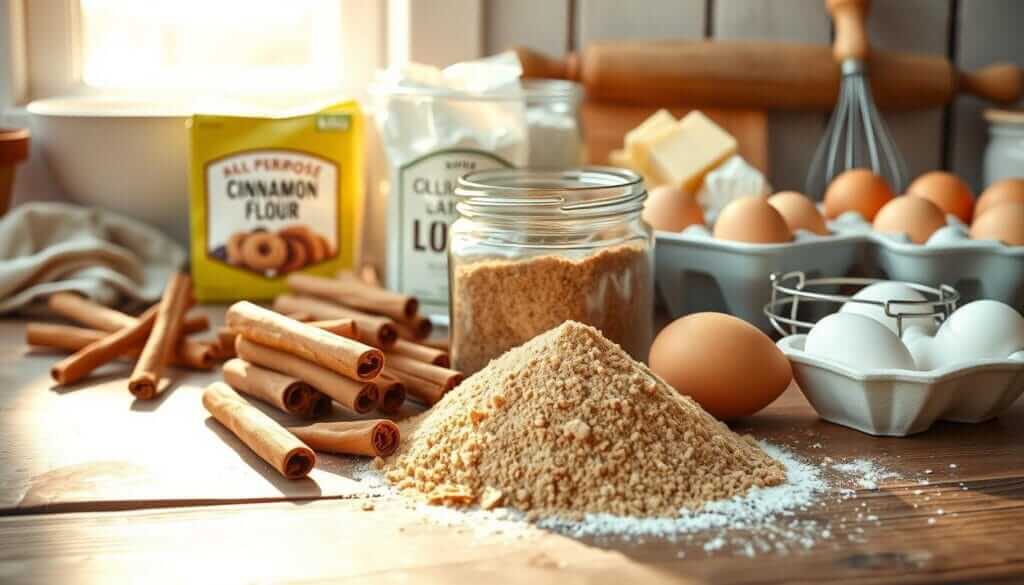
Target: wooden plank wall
971 32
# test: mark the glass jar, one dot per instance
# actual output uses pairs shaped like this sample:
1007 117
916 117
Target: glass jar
532 249
555 126
433 135
1004 155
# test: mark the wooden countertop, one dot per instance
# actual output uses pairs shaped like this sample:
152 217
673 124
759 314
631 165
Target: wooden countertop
97 487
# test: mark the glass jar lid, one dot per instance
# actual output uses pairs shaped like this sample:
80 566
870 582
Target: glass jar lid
589 192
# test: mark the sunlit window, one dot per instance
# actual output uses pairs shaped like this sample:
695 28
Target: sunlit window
227 45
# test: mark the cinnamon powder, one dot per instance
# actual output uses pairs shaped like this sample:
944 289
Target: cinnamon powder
569 424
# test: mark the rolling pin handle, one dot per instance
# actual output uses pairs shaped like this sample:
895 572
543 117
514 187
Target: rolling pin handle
1002 83
538 65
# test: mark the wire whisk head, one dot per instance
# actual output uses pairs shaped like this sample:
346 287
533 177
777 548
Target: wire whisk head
856 138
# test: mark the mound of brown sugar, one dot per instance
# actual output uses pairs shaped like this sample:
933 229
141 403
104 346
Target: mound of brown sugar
568 424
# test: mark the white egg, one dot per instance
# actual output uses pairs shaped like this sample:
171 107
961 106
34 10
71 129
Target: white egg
977 331
858 342
919 342
698 232
949 234
891 291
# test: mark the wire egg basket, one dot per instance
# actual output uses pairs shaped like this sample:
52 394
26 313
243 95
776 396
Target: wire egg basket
792 289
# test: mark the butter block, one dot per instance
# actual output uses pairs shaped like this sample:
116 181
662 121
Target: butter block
682 155
638 139
619 158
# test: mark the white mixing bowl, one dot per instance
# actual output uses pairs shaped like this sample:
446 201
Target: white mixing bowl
125 155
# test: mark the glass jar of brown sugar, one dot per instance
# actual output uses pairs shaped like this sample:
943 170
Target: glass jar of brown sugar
532 249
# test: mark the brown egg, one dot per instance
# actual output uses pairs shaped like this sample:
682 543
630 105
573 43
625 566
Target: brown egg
727 365
917 217
1004 223
671 209
1004 191
857 190
752 219
799 212
946 190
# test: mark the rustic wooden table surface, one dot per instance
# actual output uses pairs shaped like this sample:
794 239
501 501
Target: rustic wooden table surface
95 487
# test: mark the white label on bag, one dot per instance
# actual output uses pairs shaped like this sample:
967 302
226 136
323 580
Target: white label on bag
426 207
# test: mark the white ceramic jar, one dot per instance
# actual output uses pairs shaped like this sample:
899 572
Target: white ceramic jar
1004 156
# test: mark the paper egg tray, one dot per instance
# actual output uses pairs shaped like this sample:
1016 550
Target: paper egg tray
898 403
704 274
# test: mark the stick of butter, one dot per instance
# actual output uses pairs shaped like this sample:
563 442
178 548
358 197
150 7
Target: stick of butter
683 154
639 139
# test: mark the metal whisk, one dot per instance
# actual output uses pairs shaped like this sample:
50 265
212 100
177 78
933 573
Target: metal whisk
856 136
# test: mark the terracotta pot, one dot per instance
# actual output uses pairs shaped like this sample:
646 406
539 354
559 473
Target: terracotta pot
13 150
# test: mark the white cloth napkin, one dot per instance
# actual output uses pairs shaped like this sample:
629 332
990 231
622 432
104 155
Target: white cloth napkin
54 247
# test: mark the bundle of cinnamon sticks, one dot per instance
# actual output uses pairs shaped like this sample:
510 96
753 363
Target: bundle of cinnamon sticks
386 320
299 368
156 339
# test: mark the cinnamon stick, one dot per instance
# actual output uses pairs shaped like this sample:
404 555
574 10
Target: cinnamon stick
287 393
156 354
342 355
425 391
416 329
360 397
442 376
226 342
189 353
342 327
354 293
377 331
96 316
81 363
195 324
373 438
268 439
367 275
422 353
441 343
197 355
300 316
392 394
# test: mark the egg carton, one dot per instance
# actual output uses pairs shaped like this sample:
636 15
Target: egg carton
695 275
898 403
978 269
696 272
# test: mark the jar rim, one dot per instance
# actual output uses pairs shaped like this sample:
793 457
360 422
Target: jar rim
592 191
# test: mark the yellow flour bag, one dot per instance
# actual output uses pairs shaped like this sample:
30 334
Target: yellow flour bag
271 196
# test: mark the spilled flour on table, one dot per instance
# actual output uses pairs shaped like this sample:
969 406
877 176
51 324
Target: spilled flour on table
760 509
764 520
868 474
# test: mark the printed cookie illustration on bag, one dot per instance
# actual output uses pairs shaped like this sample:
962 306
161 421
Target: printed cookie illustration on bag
286 251
289 249
272 196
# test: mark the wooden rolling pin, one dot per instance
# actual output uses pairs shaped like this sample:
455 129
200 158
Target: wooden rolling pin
762 75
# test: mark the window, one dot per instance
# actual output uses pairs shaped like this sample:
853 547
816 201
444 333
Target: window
227 47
